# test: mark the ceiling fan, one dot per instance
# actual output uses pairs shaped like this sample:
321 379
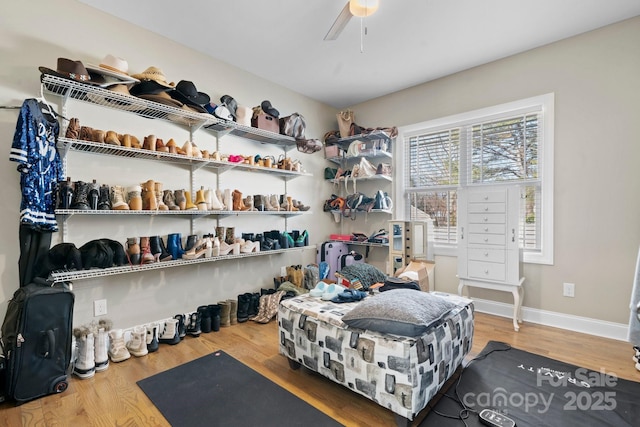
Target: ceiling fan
358 8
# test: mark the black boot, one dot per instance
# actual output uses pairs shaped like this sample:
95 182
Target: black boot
244 301
254 304
94 195
194 324
214 310
158 249
65 194
258 202
205 318
191 242
80 196
104 202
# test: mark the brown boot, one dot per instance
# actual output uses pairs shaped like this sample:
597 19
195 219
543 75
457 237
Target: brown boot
233 311
149 202
169 200
230 236
225 319
238 203
134 197
181 200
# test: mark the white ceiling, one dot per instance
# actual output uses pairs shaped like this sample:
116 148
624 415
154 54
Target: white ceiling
408 42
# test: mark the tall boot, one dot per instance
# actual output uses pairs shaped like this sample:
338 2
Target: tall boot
220 234
214 310
170 200
80 196
101 339
145 250
201 202
157 187
189 206
118 198
134 194
230 236
94 195
174 245
85 366
103 198
152 337
133 250
117 350
149 196
158 250
254 304
65 194
233 311
225 319
243 307
181 200
205 318
238 203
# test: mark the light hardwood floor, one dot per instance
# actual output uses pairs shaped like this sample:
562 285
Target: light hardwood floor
112 398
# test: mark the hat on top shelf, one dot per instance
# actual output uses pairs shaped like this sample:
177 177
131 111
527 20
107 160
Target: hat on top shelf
113 70
69 69
187 93
268 108
155 74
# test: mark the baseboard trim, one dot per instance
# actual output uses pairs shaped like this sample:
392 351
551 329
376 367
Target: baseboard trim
585 325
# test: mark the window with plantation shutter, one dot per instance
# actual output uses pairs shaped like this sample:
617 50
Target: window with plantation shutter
506 144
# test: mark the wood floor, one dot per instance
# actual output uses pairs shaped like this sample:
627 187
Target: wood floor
112 398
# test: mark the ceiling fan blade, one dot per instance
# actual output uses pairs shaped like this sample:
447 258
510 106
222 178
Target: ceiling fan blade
339 24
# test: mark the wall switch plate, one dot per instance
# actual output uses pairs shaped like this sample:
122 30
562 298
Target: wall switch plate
569 290
100 307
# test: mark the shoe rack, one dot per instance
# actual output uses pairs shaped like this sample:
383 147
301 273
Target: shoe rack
193 122
378 181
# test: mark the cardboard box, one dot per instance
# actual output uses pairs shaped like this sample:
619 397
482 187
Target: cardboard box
425 271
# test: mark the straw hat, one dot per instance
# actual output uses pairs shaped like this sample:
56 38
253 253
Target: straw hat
155 74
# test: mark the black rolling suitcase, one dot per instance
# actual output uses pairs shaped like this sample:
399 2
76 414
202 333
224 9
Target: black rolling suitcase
36 339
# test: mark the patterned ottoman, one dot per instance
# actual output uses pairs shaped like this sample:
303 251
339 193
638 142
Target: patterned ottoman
397 372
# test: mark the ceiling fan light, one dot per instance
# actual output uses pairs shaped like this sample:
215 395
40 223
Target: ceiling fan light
363 8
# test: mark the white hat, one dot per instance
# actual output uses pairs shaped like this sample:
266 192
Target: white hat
112 66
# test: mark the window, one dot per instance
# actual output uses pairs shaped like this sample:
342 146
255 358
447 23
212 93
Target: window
506 144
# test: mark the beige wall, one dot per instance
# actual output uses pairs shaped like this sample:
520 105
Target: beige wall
73 30
596 81
594 77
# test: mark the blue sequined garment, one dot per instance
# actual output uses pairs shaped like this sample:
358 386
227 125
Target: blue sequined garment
34 148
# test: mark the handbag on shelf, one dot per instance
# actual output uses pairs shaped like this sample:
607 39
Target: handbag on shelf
345 119
330 173
293 125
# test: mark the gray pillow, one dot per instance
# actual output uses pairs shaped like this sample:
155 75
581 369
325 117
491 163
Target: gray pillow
400 312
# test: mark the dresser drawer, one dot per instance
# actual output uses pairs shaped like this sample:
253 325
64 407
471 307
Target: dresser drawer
488 255
488 196
487 239
487 207
488 228
489 218
487 271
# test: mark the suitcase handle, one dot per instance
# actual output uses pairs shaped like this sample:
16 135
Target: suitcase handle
50 344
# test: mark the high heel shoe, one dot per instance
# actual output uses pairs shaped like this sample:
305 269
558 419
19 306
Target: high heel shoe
198 251
225 248
303 239
248 246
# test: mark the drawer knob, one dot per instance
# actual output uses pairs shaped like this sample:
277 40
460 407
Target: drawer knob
486 254
486 239
486 219
486 229
486 208
486 271
486 197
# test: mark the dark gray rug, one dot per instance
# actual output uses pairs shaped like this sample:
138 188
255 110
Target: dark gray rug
218 390
536 391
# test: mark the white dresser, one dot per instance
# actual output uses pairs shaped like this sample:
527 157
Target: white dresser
488 247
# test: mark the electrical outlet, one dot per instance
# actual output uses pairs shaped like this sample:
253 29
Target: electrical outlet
569 290
100 307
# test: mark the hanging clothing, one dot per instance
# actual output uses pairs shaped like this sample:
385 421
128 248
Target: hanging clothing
633 335
40 167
